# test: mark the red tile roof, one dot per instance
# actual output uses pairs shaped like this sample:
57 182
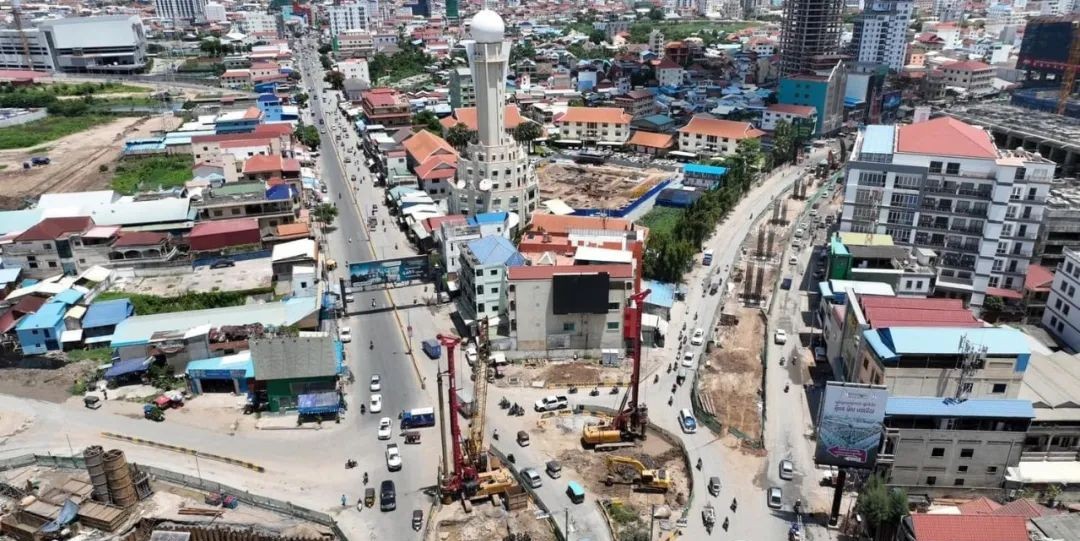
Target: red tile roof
978 506
257 135
561 225
721 128
1004 293
801 110
968 65
1024 508
435 222
652 140
467 115
382 97
437 167
277 128
262 163
424 144
946 136
139 238
882 312
969 528
1038 278
611 115
667 63
545 272
55 228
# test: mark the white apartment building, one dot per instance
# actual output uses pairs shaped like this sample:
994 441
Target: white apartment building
348 16
713 137
974 77
607 126
482 276
181 10
356 68
462 89
215 13
880 33
943 185
1062 315
352 44
792 114
258 21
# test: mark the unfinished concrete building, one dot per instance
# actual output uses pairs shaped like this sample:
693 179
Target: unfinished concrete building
811 29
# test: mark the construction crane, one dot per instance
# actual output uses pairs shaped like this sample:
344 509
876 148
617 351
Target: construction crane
629 424
470 477
16 15
647 480
1068 78
475 443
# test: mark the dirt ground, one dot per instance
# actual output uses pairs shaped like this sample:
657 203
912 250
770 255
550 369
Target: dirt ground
732 376
50 385
486 521
76 160
593 186
584 373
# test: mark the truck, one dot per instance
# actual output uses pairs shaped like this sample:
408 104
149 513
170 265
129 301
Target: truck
706 258
714 285
418 418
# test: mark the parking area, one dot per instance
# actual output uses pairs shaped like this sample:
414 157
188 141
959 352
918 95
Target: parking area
242 276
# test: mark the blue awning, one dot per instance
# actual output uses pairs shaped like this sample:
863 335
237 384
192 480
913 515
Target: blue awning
128 367
316 403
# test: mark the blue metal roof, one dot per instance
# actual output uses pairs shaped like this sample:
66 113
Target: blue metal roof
496 250
878 139
702 169
946 340
129 366
488 218
933 406
659 120
239 361
837 247
883 351
663 293
106 313
9 275
67 296
47 317
279 192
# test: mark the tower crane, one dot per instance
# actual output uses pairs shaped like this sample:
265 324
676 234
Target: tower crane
1068 78
629 424
16 16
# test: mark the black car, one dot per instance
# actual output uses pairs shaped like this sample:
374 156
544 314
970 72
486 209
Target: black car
222 264
387 496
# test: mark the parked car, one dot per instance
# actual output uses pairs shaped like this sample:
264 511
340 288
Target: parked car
780 337
687 421
787 470
554 469
386 428
393 457
222 264
523 438
40 160
551 403
531 478
775 498
698 338
345 335
376 403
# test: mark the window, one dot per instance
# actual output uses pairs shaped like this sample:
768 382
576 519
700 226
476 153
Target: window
935 167
967 452
937 451
480 308
999 388
991 469
961 469
613 325
479 272
52 264
952 168
931 481
493 272
612 306
958 482
568 327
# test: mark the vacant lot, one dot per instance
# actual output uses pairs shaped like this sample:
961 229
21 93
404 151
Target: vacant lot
47 129
662 220
152 304
152 173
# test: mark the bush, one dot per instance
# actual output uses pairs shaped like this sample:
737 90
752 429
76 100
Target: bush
156 172
152 304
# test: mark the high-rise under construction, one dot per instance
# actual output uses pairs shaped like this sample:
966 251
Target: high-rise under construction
811 30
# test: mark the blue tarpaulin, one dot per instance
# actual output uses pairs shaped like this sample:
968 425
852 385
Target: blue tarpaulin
316 403
127 367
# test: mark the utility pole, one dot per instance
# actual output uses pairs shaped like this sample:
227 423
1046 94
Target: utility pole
566 523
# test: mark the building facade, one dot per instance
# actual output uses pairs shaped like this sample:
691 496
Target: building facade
943 185
462 90
1062 314
810 28
347 16
880 33
482 276
608 126
712 137
823 91
13 55
181 10
108 44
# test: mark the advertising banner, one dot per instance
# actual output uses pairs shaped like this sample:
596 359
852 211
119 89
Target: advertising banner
850 425
388 272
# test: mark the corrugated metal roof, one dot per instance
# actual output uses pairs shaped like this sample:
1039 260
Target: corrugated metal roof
293 357
1052 382
968 528
495 250
105 313
239 361
878 139
999 341
138 329
663 294
933 406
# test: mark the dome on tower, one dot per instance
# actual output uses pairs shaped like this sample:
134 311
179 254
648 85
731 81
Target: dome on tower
487 27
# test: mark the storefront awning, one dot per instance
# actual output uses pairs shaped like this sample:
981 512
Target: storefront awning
316 403
131 366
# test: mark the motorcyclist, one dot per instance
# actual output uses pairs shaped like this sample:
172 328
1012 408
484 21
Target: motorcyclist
365 478
699 463
373 302
371 344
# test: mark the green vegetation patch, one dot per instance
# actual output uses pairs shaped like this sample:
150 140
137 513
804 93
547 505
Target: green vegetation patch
662 220
47 129
101 355
151 173
679 30
152 304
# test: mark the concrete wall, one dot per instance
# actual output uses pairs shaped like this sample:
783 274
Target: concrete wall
914 464
22 118
540 330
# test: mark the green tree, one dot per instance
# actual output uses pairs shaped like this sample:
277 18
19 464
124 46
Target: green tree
211 47
426 120
325 62
335 79
882 507
307 135
325 48
527 132
783 143
325 213
300 99
459 135
597 36
993 304
521 51
656 14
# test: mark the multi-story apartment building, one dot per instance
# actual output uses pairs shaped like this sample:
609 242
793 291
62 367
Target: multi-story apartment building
608 126
356 44
810 28
482 276
943 185
974 77
60 246
272 206
1060 227
462 90
638 103
259 23
348 16
215 12
1062 314
713 137
880 33
356 68
188 11
387 107
802 116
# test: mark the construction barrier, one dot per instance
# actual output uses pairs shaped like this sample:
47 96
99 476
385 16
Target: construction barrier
586 384
186 451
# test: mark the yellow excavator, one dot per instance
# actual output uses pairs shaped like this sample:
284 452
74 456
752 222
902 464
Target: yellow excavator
647 480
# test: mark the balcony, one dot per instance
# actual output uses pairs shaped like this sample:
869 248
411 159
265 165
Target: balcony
942 175
934 224
977 231
973 211
933 206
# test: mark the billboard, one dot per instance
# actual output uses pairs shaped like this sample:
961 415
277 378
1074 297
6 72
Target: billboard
580 293
389 272
850 425
890 101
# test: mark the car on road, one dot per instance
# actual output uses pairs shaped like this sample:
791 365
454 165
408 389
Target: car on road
470 354
775 497
687 421
554 469
698 338
376 383
393 457
531 478
688 359
349 299
714 486
551 403
222 264
345 335
780 337
376 403
386 428
387 496
787 470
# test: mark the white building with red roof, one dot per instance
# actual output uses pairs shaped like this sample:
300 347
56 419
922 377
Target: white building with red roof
706 136
608 126
792 114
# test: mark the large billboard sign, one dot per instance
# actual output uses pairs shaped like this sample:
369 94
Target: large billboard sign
389 272
850 425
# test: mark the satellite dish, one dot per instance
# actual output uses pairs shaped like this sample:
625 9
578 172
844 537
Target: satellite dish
460 185
485 185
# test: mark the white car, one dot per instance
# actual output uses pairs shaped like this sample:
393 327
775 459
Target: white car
687 421
376 383
345 334
470 354
376 403
780 337
551 403
386 428
688 359
787 470
698 338
393 457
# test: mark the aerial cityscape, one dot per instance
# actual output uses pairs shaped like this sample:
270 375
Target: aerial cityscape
585 270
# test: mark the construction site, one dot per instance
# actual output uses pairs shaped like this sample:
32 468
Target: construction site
99 495
607 187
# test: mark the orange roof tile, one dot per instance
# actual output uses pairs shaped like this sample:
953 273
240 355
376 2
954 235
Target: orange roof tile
293 230
968 65
969 528
252 113
561 225
424 144
611 115
437 167
652 140
1038 278
801 110
467 115
721 128
946 136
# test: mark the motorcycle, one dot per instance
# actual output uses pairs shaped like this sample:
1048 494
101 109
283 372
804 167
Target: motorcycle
350 464
365 478
786 387
656 379
782 361
362 409
504 403
571 390
725 526
734 505
670 400
614 390
669 369
371 345
595 391
699 464
674 387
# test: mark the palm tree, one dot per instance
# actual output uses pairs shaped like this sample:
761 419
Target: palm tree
527 132
459 135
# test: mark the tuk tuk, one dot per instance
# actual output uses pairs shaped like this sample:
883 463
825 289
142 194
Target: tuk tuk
575 492
331 264
369 497
417 519
412 437
91 402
